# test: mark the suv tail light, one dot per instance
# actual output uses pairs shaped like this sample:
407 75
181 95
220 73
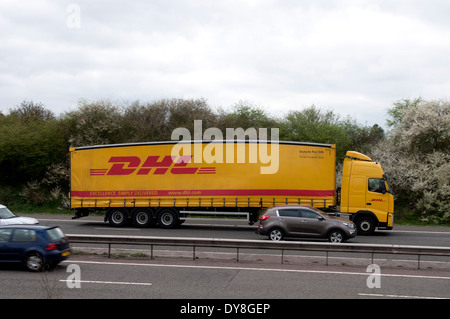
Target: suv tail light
264 217
51 246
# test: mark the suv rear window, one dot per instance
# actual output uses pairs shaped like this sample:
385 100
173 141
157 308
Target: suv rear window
55 234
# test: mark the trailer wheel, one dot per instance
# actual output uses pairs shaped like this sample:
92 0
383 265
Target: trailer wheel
117 217
167 218
142 217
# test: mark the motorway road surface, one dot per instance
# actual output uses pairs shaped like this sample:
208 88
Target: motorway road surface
135 279
400 235
173 274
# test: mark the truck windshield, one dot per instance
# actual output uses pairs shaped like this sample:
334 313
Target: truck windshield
5 213
388 187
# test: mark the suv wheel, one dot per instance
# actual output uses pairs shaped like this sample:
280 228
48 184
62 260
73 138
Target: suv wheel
276 234
336 237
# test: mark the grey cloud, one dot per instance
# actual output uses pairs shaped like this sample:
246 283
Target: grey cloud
352 57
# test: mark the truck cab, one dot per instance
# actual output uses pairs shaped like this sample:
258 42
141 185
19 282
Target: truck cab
365 194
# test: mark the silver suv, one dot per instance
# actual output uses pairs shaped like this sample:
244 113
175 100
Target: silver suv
304 221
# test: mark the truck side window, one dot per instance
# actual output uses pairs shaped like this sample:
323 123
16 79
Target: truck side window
377 185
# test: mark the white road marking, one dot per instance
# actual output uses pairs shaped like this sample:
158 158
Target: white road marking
107 282
253 269
419 231
107 228
68 220
399 296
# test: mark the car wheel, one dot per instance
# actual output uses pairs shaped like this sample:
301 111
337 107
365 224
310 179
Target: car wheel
336 237
34 262
276 234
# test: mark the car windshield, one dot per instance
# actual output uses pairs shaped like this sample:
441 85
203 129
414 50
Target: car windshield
5 213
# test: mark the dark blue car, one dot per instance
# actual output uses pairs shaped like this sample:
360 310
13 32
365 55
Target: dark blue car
37 247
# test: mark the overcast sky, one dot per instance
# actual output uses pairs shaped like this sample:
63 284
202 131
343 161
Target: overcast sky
354 57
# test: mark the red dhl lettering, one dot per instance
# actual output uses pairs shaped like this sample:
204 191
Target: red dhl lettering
377 200
127 165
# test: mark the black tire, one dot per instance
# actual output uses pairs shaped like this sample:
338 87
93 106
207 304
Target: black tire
365 225
34 262
336 236
142 217
276 234
117 217
167 218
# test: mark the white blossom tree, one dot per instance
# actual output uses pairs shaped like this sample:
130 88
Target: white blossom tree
416 156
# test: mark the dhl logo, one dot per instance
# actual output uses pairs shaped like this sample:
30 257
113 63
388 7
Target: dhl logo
377 200
126 165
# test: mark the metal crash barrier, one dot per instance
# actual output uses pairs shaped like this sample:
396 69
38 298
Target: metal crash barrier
259 244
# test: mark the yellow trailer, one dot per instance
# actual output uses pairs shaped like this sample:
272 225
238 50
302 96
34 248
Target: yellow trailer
167 182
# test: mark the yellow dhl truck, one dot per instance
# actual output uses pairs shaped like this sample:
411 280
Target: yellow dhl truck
166 183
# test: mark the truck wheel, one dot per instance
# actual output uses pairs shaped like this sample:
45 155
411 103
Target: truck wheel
167 218
117 217
365 225
142 217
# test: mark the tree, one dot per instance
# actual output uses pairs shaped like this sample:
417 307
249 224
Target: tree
30 111
29 143
183 112
397 111
94 123
247 116
324 126
362 138
145 122
416 156
311 125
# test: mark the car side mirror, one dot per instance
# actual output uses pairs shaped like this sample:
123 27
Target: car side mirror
321 218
